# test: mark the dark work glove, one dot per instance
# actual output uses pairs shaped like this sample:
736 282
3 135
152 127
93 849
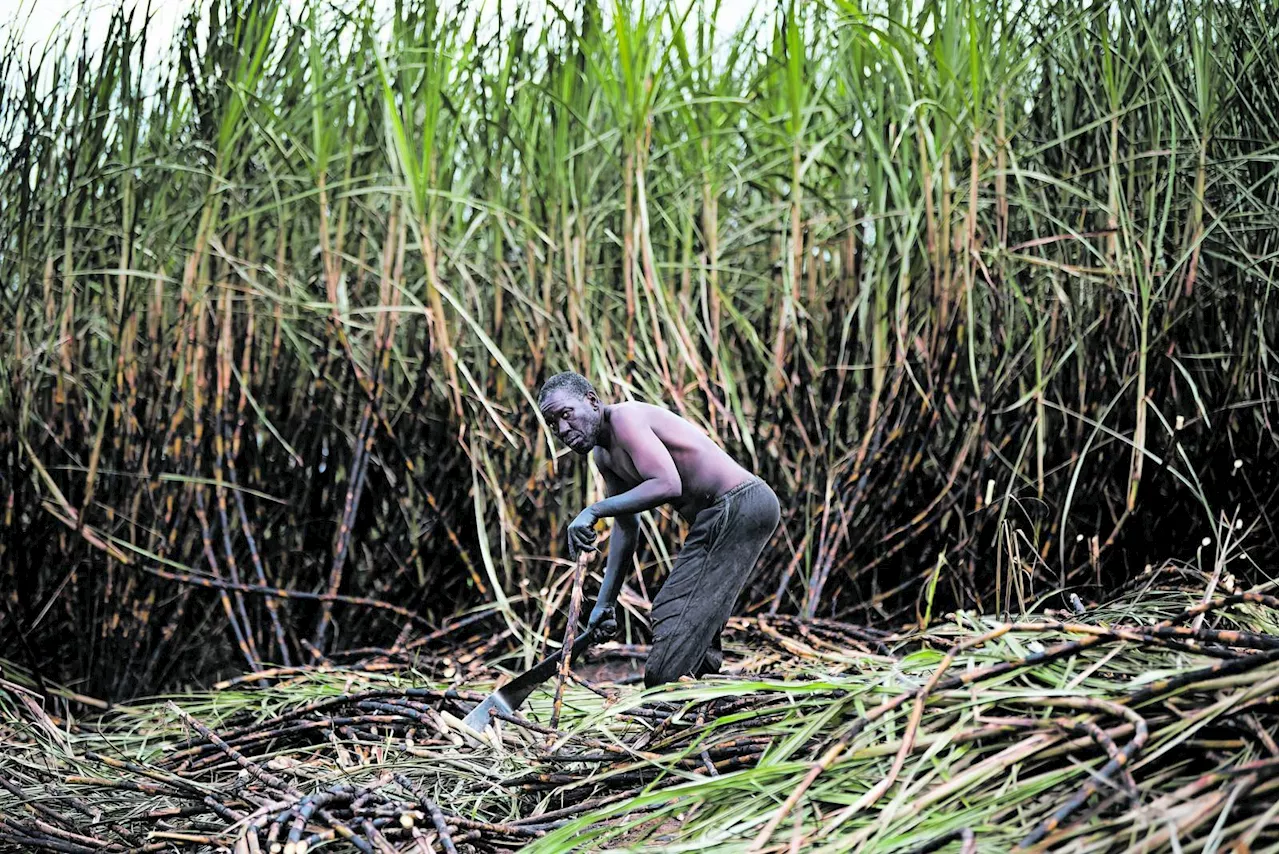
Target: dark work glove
582 533
602 623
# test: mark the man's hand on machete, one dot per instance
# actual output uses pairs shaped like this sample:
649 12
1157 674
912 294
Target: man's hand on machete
602 622
582 533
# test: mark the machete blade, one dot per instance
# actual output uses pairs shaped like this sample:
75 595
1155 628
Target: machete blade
511 696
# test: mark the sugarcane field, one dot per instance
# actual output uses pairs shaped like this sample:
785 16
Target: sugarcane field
741 426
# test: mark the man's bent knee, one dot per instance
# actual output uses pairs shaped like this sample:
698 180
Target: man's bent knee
663 667
659 673
654 678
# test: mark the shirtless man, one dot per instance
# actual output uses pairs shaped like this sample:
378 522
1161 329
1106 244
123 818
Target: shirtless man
650 456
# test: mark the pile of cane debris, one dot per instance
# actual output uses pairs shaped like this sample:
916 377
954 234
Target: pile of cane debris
1146 724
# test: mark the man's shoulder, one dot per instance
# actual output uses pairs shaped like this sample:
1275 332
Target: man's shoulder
634 416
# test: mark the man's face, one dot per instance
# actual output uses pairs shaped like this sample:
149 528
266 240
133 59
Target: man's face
573 418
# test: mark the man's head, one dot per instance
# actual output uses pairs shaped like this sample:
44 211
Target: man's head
572 410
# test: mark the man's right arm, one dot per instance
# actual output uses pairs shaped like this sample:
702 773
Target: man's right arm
622 547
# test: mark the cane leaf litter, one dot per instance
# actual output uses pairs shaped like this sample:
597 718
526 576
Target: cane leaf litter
1148 719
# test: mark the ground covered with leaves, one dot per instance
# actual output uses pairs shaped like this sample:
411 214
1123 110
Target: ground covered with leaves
1147 723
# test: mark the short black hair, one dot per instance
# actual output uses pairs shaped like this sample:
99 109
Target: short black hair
574 382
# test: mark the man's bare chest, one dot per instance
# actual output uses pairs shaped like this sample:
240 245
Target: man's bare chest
618 463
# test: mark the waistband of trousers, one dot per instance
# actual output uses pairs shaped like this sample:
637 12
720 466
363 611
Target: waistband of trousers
740 488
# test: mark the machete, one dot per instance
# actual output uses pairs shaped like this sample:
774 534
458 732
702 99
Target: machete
509 697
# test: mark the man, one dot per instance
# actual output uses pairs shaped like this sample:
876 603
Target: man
650 456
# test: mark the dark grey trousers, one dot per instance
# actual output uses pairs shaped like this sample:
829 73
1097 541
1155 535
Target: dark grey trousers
709 573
